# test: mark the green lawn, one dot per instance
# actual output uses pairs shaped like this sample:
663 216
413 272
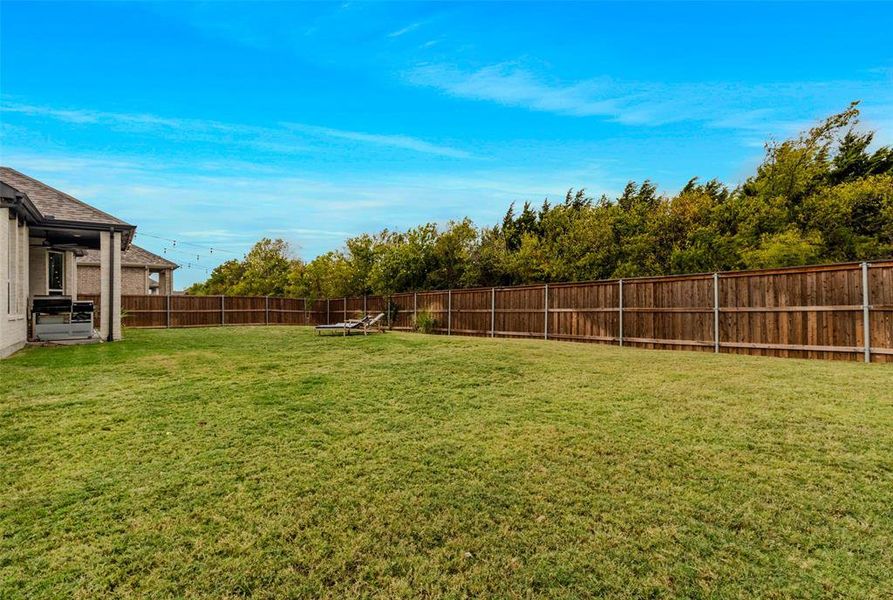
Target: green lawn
269 462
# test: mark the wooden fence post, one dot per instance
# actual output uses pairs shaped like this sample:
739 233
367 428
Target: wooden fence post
415 308
843 297
450 312
620 310
546 312
716 312
493 312
866 309
344 304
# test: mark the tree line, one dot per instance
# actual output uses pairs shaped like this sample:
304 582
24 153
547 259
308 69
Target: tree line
824 196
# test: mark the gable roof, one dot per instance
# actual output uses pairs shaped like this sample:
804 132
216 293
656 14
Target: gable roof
134 256
55 205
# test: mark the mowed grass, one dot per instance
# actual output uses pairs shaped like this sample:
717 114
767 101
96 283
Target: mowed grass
271 463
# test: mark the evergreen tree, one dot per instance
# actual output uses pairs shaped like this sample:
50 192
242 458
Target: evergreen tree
824 196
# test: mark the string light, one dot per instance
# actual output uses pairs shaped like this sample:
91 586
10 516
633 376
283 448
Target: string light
190 254
196 268
198 256
182 243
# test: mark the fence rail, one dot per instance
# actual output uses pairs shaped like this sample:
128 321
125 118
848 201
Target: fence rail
841 312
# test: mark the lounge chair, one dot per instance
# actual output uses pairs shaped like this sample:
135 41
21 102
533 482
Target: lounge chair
365 324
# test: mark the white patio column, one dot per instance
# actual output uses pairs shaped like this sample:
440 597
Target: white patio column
110 285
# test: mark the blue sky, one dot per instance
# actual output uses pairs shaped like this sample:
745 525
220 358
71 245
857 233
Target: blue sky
218 123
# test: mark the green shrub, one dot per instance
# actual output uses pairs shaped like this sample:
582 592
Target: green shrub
424 322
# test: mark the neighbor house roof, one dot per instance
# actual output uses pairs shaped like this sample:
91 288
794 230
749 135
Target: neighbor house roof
55 205
132 257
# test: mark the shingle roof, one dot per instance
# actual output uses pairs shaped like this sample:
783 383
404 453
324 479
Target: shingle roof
132 257
53 203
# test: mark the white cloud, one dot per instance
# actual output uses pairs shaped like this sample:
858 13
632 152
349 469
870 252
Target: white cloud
281 140
405 30
312 233
228 206
194 204
508 84
879 118
214 234
101 117
395 141
726 105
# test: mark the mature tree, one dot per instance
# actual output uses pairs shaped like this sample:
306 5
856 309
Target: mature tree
265 269
453 250
223 279
826 195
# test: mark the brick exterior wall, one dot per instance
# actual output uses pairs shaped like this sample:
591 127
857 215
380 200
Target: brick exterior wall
133 282
14 255
88 279
37 272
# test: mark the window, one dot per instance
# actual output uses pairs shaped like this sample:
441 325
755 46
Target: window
55 273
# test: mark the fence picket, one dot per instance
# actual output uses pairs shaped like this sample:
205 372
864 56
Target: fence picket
840 311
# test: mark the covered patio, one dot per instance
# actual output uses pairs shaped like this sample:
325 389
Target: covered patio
58 228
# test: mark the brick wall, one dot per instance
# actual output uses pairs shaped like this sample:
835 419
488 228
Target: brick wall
88 279
37 272
133 280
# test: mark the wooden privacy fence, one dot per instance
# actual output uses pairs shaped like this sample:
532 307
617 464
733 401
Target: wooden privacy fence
842 311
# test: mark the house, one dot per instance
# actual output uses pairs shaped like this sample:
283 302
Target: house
142 272
42 231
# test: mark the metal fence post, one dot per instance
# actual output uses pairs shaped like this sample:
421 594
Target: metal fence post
546 312
493 312
167 310
449 312
620 310
364 305
866 308
223 310
415 309
266 310
716 312
328 318
344 304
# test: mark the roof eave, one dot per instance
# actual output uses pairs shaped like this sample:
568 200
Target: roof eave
19 202
158 267
125 229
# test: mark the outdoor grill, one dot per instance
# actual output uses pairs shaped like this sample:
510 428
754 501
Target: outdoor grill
56 318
